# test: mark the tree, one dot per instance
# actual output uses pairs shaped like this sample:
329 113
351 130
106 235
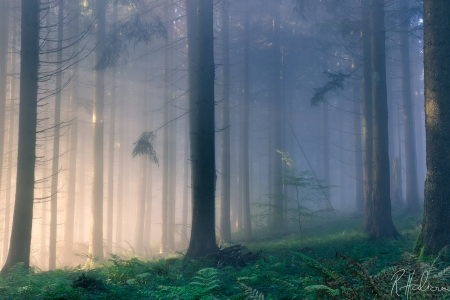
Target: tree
203 236
412 190
245 132
435 230
73 146
367 113
56 137
96 235
19 250
382 226
225 226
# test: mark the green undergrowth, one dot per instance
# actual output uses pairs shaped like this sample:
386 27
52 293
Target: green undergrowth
333 261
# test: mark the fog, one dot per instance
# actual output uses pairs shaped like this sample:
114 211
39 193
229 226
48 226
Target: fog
288 124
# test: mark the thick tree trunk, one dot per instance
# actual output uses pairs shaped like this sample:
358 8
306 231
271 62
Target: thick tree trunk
4 25
245 143
367 113
96 235
225 226
19 250
203 236
383 226
8 189
412 190
435 229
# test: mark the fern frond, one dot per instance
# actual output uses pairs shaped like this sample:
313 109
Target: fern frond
252 294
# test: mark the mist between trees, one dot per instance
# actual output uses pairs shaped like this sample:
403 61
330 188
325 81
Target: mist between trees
144 127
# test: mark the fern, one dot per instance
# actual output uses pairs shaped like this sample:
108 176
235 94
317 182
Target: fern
206 280
252 294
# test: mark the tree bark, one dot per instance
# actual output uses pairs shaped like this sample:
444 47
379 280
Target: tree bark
412 190
383 226
245 143
19 250
435 227
8 189
367 113
203 236
357 126
96 235
73 148
225 226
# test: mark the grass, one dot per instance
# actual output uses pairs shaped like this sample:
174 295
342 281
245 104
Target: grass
289 268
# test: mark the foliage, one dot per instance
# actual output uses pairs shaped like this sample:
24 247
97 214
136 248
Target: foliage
134 31
336 83
289 269
144 146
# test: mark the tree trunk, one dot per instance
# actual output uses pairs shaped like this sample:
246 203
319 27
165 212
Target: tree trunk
142 198
247 222
412 190
11 134
96 235
435 229
203 236
19 250
165 184
383 226
278 216
184 218
367 114
225 226
120 180
357 126
326 156
4 25
56 137
73 148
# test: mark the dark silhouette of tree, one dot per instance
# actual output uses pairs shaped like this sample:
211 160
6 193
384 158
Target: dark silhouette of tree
203 236
19 250
382 226
435 230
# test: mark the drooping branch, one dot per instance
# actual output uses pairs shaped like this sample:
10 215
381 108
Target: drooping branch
144 146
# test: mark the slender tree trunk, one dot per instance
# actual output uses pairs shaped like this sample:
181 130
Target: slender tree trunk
412 190
326 155
367 113
278 218
357 126
383 226
120 180
203 236
73 148
56 137
164 247
96 235
184 218
172 175
19 250
435 227
111 144
342 176
148 201
81 185
140 212
225 226
245 133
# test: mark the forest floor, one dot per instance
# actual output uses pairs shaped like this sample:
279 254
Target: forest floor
332 261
